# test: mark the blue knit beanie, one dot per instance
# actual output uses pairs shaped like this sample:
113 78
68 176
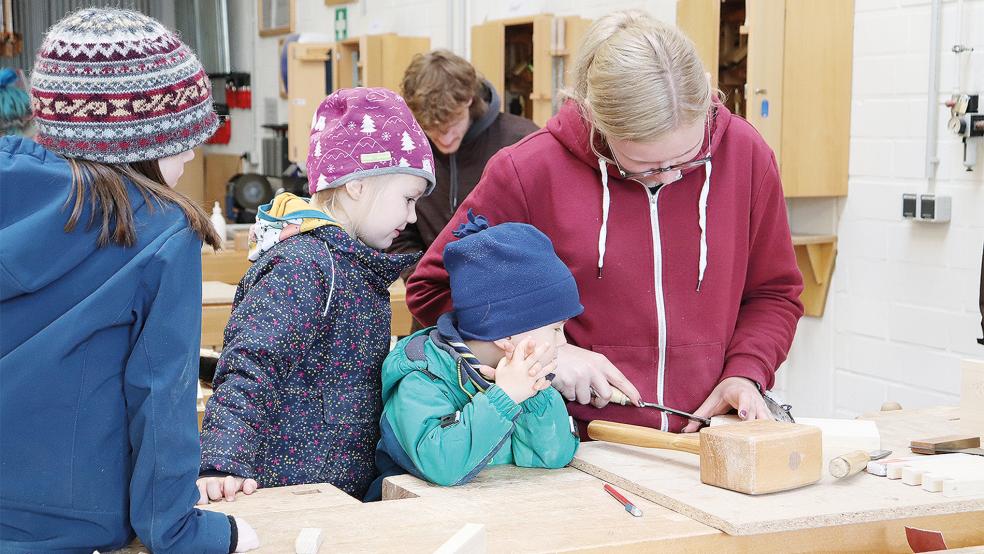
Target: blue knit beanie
507 279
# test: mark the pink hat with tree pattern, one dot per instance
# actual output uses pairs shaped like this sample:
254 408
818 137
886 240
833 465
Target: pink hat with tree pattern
363 132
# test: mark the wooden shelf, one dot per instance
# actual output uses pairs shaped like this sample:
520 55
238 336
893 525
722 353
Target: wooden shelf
815 256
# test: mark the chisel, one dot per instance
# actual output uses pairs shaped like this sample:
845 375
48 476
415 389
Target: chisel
619 397
854 462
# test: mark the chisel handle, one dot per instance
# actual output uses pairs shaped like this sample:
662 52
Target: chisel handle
634 435
848 464
618 397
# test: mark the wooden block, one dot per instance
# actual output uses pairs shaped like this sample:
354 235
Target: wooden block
912 475
955 488
839 436
946 442
470 539
308 541
932 482
758 457
972 396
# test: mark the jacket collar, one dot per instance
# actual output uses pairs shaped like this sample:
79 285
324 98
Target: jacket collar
447 337
382 268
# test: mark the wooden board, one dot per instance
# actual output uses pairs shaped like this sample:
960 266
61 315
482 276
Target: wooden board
972 396
227 266
537 510
316 496
671 479
217 292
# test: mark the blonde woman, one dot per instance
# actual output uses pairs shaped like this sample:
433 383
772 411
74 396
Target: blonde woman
670 214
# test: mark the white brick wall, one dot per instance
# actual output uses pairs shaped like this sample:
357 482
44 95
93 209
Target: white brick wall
903 307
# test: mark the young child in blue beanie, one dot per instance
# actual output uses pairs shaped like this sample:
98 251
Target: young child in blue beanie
447 413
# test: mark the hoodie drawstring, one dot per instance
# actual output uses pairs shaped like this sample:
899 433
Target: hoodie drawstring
606 201
702 223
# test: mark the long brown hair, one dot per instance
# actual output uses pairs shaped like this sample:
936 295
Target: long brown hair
106 185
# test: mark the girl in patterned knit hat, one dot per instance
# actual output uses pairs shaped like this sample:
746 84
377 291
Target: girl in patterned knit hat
100 279
297 389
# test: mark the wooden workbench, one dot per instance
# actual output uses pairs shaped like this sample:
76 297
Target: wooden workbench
529 510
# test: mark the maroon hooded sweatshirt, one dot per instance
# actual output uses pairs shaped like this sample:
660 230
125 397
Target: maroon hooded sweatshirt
639 257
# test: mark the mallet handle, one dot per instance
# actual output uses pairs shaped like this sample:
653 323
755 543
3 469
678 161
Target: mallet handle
636 435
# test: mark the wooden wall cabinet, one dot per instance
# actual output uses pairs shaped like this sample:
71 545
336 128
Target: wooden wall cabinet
526 59
798 57
314 70
309 81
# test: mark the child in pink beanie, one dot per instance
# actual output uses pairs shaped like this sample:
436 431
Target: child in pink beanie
297 389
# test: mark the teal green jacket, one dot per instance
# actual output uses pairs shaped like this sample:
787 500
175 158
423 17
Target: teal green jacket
443 422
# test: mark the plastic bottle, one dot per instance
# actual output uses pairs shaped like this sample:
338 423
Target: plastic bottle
218 221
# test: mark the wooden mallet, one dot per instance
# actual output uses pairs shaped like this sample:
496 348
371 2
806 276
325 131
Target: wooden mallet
751 457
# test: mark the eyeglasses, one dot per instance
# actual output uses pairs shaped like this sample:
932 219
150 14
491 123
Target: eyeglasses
696 162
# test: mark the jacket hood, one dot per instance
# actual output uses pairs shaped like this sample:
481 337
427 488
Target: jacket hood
481 124
28 221
571 128
285 216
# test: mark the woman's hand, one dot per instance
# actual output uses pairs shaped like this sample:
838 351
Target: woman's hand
733 392
579 371
215 488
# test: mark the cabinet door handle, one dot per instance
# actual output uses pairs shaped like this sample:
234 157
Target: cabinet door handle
761 91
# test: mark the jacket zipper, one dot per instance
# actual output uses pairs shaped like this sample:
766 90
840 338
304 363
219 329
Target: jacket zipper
660 302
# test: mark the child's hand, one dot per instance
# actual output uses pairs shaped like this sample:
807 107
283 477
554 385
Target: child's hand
215 488
522 374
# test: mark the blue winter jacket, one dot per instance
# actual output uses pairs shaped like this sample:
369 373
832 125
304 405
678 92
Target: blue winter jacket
297 388
98 372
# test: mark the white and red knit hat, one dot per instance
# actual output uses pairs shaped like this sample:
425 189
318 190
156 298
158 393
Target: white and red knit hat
115 86
361 132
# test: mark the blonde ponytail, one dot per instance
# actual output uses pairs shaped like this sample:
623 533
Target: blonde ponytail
638 79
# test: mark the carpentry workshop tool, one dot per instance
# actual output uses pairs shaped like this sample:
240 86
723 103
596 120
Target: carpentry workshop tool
629 506
619 397
854 462
946 443
752 457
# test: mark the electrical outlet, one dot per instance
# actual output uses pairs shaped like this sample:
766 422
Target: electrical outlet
910 205
934 208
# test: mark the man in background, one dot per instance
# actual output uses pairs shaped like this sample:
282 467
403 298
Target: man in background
460 113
